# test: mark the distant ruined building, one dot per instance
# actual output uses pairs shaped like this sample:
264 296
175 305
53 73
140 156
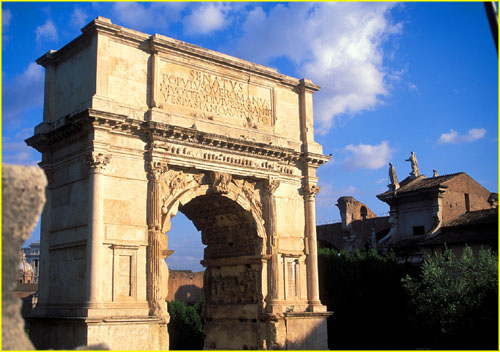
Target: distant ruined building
426 215
359 228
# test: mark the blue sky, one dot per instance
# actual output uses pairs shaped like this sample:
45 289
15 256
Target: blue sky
395 78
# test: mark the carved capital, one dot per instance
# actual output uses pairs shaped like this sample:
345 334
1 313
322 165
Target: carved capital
271 186
220 181
156 169
97 162
310 191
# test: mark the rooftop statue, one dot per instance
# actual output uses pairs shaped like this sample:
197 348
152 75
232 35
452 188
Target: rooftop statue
414 165
394 185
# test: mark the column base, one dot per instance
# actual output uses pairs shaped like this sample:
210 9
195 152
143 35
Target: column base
316 307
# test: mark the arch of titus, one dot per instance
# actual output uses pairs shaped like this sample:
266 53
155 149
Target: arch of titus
137 128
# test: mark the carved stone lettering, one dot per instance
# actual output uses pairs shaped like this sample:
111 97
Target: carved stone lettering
211 96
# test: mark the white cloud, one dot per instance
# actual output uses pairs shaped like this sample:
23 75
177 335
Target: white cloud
366 156
6 17
337 45
454 137
14 93
79 17
207 18
47 31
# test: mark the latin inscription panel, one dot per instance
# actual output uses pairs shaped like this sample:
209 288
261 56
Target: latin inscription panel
211 96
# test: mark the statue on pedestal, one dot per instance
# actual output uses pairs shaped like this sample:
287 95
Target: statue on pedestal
414 165
394 185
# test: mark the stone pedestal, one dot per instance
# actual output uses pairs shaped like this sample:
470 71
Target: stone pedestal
147 333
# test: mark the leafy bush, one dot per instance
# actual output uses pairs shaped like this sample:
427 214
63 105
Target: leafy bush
363 289
186 326
454 301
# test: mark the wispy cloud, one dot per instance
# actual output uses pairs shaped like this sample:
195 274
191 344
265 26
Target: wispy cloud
79 18
15 92
6 17
46 31
381 180
329 194
366 156
453 137
15 150
207 18
337 45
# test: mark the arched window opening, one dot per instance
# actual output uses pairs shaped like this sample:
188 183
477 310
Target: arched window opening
363 212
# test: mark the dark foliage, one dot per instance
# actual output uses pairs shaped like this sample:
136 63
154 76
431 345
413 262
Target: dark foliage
364 290
186 326
447 303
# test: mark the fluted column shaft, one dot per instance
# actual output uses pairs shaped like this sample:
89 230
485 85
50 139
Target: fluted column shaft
310 192
97 163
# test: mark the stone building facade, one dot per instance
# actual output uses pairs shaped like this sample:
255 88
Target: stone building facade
424 212
426 216
137 127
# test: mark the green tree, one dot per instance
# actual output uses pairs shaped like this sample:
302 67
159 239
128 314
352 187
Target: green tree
186 326
454 301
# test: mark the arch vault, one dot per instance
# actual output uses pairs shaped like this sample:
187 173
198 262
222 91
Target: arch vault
138 127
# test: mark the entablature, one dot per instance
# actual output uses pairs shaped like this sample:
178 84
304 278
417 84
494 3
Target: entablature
179 144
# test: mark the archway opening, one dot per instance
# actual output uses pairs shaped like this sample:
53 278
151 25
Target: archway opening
233 271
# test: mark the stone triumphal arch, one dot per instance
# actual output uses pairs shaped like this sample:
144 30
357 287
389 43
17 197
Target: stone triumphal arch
138 127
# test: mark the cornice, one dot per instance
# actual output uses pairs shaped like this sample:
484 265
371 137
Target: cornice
162 44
